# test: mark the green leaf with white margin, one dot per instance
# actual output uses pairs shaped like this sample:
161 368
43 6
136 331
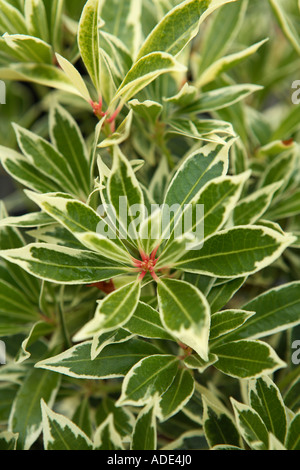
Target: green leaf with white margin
287 13
185 97
144 71
123 184
115 63
104 247
26 418
114 311
120 135
8 440
227 21
146 323
74 215
123 20
179 26
273 225
148 379
28 49
218 426
145 434
226 321
63 265
59 433
67 138
88 40
36 19
177 395
114 361
43 74
74 77
246 359
38 330
199 167
225 63
293 434
281 169
104 339
220 98
239 157
185 314
218 199
236 252
26 173
276 310
149 110
117 54
292 395
46 158
202 165
266 400
30 220
107 437
11 21
250 209
83 222
207 130
250 426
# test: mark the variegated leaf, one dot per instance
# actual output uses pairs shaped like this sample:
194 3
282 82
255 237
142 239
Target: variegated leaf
266 400
113 312
185 314
179 26
26 418
177 395
149 378
59 433
107 437
145 433
88 39
236 252
247 359
63 265
250 426
114 361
